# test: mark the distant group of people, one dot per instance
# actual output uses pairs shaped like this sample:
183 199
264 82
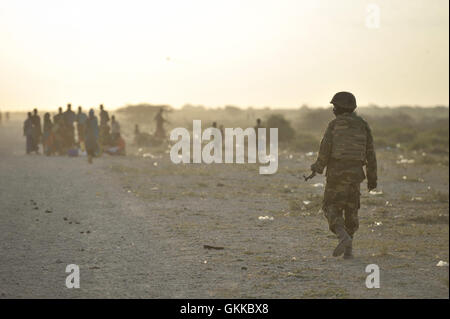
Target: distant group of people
6 117
144 139
58 135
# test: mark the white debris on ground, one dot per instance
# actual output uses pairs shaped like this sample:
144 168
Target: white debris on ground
416 199
265 218
378 223
318 185
306 202
403 160
374 192
310 154
442 263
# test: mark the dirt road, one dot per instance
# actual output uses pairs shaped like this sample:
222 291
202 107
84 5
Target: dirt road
138 229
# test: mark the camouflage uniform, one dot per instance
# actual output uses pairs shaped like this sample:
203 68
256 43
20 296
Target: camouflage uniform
345 148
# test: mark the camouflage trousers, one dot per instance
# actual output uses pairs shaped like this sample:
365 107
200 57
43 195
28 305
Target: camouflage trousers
341 204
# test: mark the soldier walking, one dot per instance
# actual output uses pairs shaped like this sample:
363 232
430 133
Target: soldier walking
346 147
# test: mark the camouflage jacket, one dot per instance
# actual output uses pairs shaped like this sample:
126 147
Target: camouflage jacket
344 170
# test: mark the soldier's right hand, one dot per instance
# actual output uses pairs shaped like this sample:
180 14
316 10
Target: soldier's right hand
315 168
371 185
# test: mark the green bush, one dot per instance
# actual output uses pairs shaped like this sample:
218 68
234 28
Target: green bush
285 131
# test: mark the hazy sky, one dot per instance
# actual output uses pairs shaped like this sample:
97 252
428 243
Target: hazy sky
275 53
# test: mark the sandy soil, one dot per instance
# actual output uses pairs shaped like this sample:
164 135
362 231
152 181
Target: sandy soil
138 229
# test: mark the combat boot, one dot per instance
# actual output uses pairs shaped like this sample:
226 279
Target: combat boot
348 252
344 241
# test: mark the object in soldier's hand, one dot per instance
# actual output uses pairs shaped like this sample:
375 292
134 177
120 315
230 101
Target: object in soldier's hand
309 177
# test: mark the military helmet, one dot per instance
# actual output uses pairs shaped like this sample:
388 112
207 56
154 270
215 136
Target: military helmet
344 100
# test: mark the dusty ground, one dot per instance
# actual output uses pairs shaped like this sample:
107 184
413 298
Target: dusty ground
136 226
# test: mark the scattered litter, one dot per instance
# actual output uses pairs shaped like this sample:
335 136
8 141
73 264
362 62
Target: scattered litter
318 185
294 259
155 163
405 161
388 204
154 188
442 263
405 177
416 199
150 155
378 223
128 191
205 261
306 202
212 247
310 154
265 218
374 192
291 156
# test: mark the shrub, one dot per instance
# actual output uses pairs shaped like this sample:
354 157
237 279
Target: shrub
285 131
